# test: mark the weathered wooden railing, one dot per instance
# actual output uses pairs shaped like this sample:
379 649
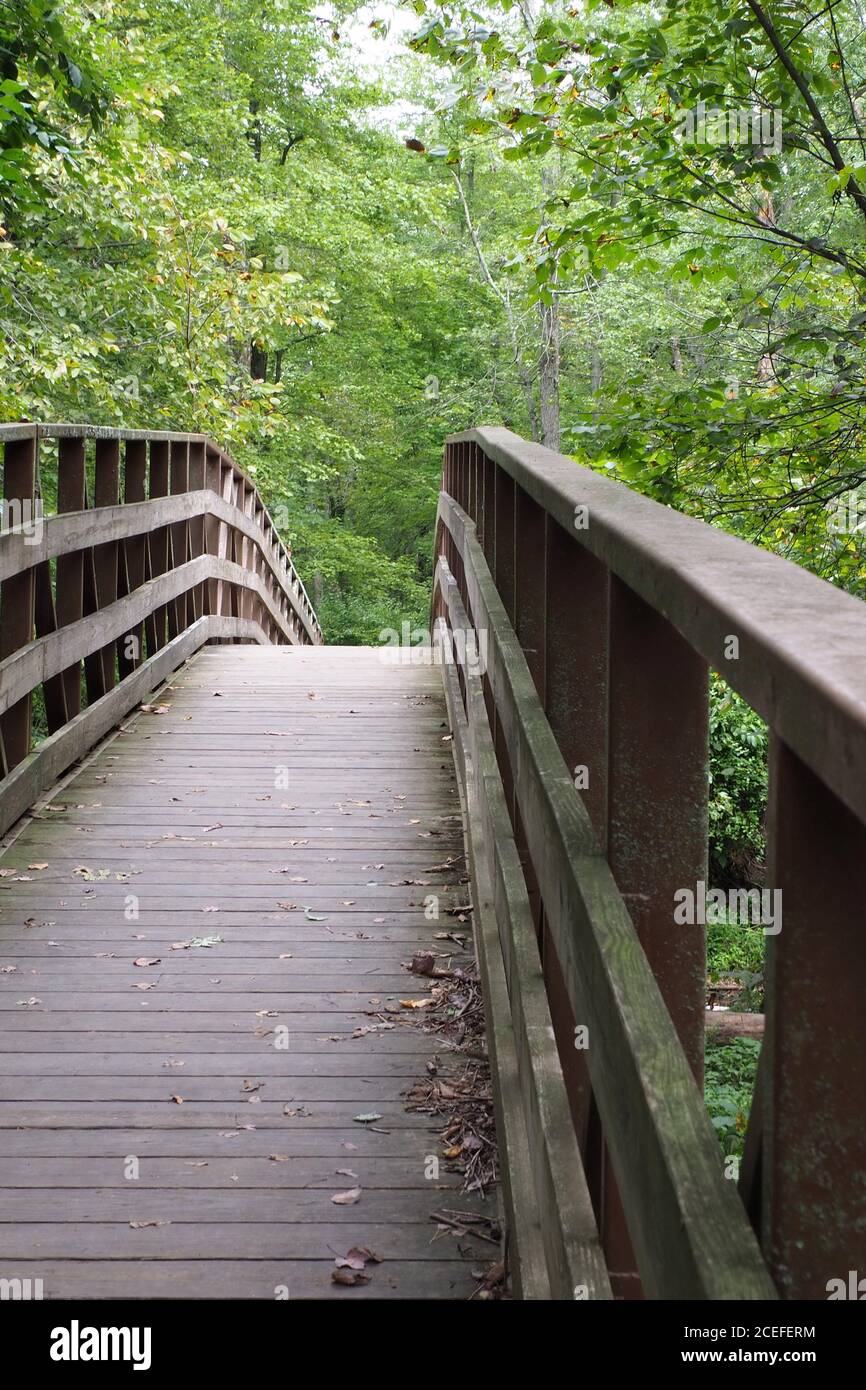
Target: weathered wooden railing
158 544
595 615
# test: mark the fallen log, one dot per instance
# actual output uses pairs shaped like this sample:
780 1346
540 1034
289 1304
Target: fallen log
724 1025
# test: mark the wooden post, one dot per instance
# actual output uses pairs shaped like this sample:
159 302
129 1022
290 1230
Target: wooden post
657 834
197 599
179 536
576 704
17 595
504 575
814 1139
69 577
213 481
157 543
658 796
530 623
132 556
102 588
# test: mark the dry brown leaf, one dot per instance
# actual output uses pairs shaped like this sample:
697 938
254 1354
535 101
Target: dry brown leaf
347 1199
349 1277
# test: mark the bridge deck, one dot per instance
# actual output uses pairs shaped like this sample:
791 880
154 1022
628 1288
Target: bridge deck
285 800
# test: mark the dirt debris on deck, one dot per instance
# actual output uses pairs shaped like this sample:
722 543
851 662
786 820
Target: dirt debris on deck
461 1098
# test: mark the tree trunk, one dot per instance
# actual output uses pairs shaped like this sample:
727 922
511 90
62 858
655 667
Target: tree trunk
548 374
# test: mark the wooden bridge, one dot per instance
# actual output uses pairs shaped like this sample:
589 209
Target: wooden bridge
225 843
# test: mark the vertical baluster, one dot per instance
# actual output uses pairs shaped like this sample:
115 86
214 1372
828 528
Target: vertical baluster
576 654
130 648
212 526
196 482
503 567
657 832
530 624
225 549
69 578
658 795
814 1139
17 594
157 543
106 493
178 535
504 575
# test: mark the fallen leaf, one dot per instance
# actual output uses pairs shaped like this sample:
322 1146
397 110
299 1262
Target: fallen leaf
422 963
349 1277
146 960
347 1199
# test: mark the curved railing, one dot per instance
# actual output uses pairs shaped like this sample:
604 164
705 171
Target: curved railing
159 543
597 615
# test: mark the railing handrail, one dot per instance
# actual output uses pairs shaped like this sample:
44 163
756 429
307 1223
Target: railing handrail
605 612
801 639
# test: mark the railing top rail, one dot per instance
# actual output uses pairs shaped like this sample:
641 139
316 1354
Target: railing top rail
802 642
70 430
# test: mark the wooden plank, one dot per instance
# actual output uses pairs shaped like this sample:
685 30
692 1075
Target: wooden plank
245 1279
21 787
88 1072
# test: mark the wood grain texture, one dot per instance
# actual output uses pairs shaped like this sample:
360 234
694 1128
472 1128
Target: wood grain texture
300 804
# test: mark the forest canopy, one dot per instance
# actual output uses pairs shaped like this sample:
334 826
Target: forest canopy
330 235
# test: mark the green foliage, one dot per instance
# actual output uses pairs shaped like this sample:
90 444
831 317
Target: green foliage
44 77
729 1078
711 278
239 246
735 950
738 787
